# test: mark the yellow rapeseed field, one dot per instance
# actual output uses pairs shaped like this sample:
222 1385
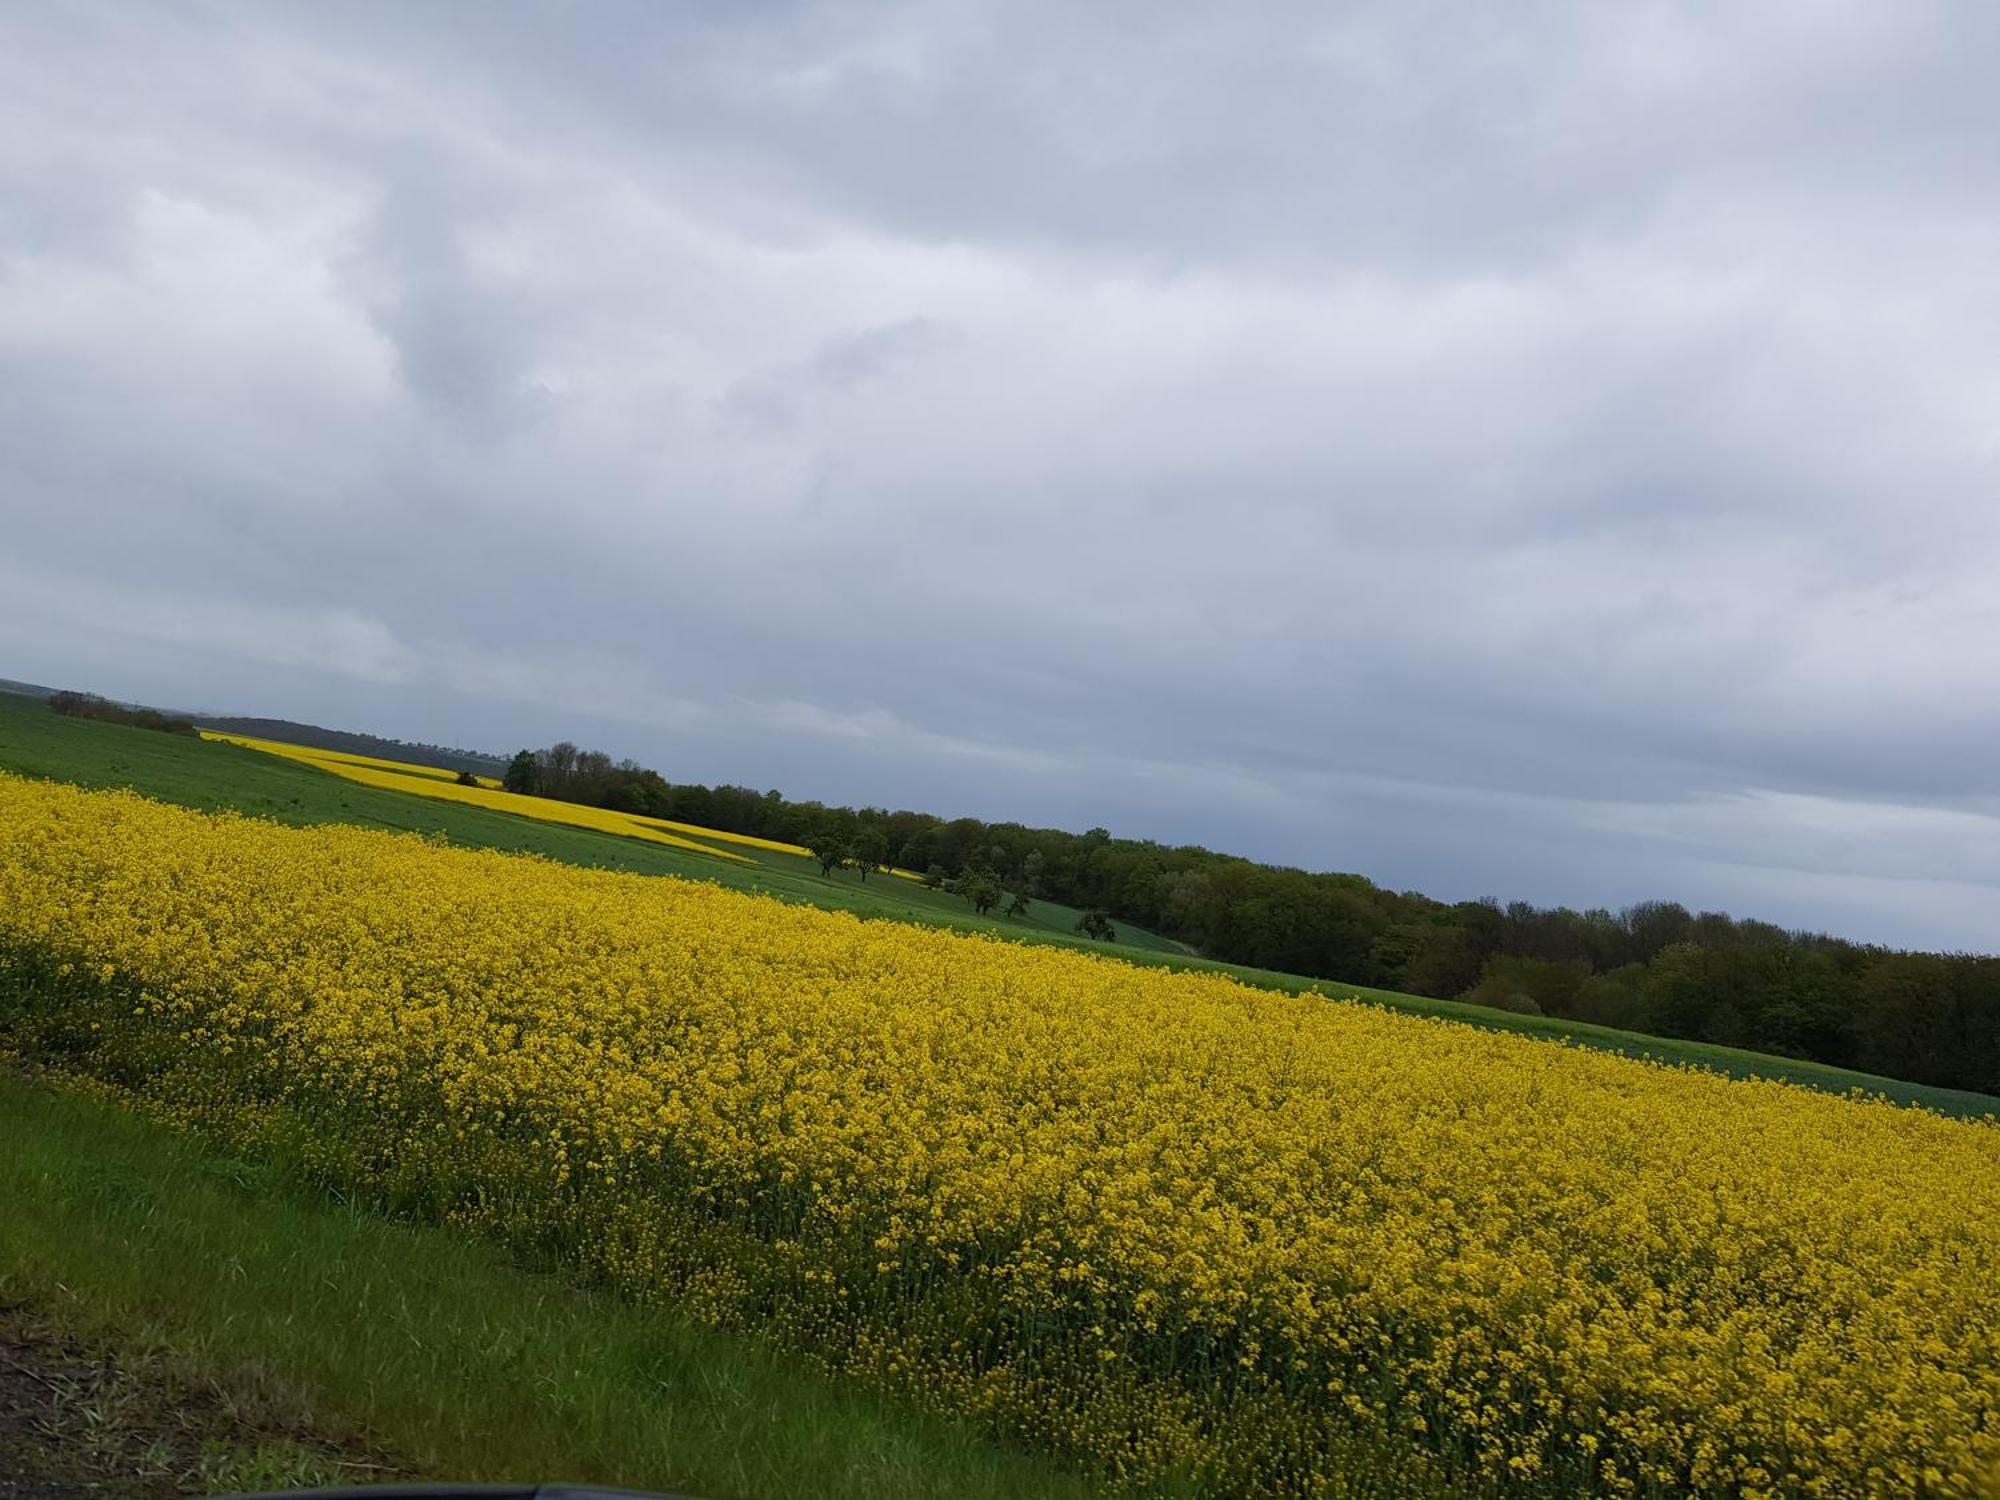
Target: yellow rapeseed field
1175 1227
330 759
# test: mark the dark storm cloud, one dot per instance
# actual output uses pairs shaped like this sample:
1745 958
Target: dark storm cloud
1547 452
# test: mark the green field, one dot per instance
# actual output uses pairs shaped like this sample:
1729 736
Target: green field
205 774
424 1351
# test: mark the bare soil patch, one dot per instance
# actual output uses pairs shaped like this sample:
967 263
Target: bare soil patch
90 1421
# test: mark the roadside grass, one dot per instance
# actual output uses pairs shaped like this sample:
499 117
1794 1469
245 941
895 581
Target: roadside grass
212 775
423 1351
88 1417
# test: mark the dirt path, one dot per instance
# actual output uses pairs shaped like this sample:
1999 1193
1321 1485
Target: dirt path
96 1423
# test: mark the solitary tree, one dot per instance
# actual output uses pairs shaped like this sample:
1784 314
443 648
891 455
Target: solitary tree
830 849
1097 924
981 889
520 775
869 850
1018 907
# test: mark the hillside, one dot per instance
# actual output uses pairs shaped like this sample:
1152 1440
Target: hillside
1158 1226
209 775
444 757
1712 983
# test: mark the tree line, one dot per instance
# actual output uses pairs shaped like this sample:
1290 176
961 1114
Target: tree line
1654 967
91 706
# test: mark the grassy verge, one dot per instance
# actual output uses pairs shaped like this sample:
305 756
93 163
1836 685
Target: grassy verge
204 774
88 1418
420 1344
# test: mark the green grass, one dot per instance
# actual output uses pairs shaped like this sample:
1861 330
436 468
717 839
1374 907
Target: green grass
84 1415
205 774
428 1346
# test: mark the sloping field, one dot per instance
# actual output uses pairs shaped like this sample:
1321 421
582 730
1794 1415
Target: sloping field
1178 1229
317 755
422 781
309 1332
373 771
212 775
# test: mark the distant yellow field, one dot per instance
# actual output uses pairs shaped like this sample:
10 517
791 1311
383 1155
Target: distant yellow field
343 763
428 781
749 841
1160 1221
338 757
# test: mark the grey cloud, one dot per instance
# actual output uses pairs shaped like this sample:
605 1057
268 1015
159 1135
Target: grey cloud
1537 453
772 399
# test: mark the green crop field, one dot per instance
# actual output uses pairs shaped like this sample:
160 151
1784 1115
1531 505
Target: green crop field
209 775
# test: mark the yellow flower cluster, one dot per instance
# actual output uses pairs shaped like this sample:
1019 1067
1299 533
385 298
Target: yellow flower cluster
1195 1234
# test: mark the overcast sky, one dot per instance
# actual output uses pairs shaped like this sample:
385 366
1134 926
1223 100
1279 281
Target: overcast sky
1547 450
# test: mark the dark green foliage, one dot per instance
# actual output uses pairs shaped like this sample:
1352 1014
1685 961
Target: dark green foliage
1018 906
1530 986
829 847
868 852
981 889
1033 863
1097 924
520 775
90 706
